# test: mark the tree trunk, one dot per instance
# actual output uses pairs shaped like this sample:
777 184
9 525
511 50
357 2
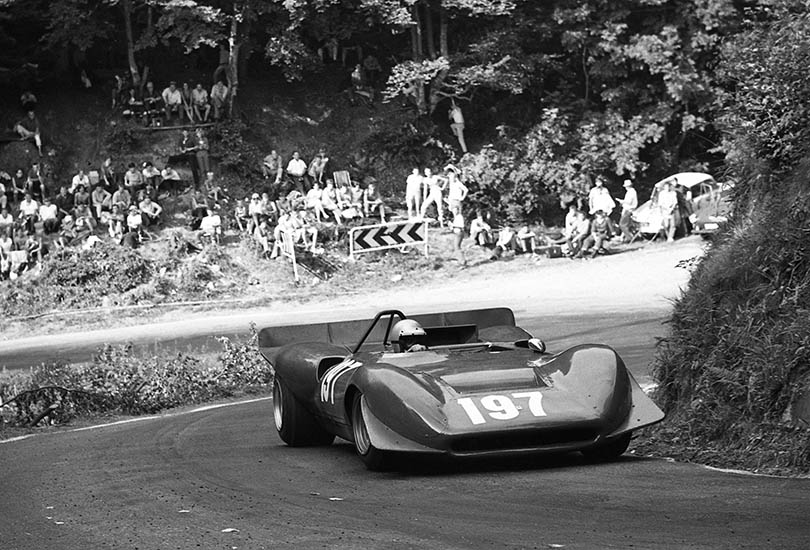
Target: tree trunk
234 45
416 35
126 7
438 81
444 49
429 38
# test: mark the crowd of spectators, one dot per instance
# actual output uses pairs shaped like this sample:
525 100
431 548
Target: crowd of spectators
182 104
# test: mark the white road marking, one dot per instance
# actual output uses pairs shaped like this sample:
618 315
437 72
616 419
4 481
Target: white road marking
140 419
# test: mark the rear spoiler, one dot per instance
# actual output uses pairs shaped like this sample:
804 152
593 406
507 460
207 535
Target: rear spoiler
348 333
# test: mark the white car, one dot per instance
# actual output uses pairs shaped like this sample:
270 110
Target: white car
696 191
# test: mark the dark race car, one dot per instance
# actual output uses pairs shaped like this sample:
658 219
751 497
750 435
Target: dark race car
467 383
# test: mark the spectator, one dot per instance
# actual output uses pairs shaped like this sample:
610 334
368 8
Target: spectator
19 263
48 214
599 199
64 202
201 151
413 193
115 223
133 107
35 250
526 240
135 222
211 226
3 199
668 206
151 175
107 173
219 98
345 200
133 179
457 123
200 103
151 102
329 201
313 202
254 212
81 198
480 230
188 146
629 204
188 101
240 214
269 208
199 208
303 230
169 179
6 244
458 236
67 232
318 166
28 128
29 212
433 195
272 167
456 191
101 200
601 231
506 241
84 219
571 218
282 232
35 183
150 212
18 185
79 179
581 230
262 236
297 169
6 220
172 102
372 200
122 197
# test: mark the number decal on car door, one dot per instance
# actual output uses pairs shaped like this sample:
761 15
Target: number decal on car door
502 407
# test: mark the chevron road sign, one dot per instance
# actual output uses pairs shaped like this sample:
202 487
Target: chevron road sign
368 238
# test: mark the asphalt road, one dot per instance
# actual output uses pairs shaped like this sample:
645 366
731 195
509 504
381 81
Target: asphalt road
221 478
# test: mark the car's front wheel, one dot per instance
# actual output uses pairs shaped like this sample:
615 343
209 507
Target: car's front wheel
372 457
295 425
610 450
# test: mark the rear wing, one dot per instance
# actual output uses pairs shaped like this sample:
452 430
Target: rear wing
348 333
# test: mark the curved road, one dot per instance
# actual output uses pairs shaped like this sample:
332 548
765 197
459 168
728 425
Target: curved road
219 477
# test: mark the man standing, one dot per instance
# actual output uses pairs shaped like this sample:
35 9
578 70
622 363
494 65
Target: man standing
668 205
629 204
413 193
433 194
219 98
457 124
456 190
599 199
201 151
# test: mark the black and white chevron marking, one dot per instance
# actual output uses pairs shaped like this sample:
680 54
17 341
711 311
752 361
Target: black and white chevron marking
389 235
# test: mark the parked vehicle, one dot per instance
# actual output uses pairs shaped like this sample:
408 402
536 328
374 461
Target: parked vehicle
696 192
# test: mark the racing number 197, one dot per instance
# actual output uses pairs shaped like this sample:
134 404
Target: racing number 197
501 407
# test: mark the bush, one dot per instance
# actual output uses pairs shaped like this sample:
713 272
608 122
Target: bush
738 351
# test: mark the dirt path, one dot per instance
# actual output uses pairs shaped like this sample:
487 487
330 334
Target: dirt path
642 280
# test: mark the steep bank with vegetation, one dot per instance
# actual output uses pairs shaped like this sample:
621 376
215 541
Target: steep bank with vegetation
736 364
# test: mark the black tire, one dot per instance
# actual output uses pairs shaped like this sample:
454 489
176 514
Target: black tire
295 425
610 450
373 458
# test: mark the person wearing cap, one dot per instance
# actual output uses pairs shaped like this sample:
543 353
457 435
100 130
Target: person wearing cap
172 101
629 204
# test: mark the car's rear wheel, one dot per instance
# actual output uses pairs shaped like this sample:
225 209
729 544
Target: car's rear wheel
295 425
610 450
373 458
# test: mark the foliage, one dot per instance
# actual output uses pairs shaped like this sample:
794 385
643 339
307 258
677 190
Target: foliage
119 381
236 154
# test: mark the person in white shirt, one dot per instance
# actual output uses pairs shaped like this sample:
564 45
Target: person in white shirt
433 194
296 169
211 226
480 230
629 204
135 221
668 205
150 211
599 199
172 101
169 179
200 104
48 214
457 124
29 211
456 191
413 193
6 219
79 179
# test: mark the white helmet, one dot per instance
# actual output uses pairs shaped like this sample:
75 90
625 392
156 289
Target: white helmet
406 332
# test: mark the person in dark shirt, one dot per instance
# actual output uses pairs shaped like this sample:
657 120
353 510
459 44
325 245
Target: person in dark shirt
28 128
64 202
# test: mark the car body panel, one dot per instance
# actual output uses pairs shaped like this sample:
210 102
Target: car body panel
465 398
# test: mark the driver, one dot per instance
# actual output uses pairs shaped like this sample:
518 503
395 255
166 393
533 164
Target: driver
407 334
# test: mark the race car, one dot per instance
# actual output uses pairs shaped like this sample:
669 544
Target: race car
460 384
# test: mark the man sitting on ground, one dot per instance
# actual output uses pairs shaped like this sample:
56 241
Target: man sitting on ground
29 213
601 231
506 241
211 226
272 168
172 102
150 211
527 240
580 232
480 230
169 179
48 214
372 200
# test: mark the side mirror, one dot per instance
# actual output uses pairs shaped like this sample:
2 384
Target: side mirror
536 344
